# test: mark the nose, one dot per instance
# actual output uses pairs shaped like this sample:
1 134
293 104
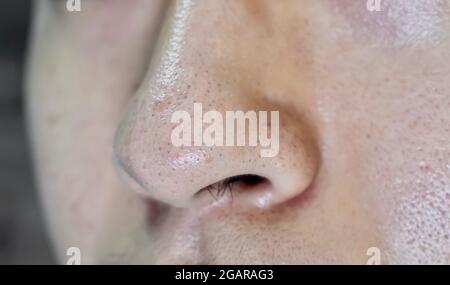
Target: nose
198 74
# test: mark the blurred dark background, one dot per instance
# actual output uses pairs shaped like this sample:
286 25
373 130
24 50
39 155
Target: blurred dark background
23 238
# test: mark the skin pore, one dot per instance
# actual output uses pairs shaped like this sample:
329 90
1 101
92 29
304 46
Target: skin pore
364 149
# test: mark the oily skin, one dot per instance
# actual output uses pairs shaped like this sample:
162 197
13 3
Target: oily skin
364 104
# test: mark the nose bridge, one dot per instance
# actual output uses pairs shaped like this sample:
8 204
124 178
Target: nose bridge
182 74
182 67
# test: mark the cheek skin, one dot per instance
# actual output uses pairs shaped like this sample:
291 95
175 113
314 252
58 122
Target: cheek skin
416 180
80 79
412 194
399 125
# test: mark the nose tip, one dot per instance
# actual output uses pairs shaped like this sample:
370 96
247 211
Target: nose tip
181 176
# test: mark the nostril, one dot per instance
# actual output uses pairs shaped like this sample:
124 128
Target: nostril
246 181
237 189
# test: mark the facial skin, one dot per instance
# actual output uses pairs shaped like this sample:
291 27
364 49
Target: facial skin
364 155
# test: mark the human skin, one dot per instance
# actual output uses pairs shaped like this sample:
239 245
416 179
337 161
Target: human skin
364 104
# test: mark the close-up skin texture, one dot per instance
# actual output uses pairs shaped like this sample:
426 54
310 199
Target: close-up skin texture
364 130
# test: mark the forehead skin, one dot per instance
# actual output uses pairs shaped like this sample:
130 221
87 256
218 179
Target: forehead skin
369 92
